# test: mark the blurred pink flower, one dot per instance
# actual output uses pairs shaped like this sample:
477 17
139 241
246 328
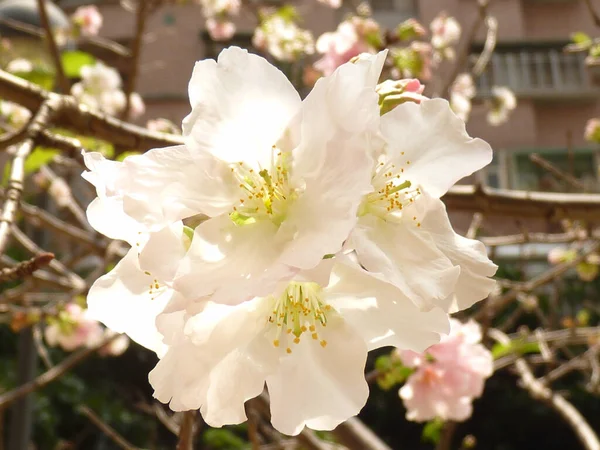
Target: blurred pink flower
88 20
448 376
445 32
137 106
73 329
395 92
220 30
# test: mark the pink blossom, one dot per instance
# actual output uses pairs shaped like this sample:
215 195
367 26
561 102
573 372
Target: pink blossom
220 30
461 93
88 20
448 376
136 105
445 31
73 329
348 41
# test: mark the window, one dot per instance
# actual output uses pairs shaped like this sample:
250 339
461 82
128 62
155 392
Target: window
389 13
529 176
541 71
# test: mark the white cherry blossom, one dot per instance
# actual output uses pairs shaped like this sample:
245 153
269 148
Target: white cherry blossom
403 230
308 341
264 167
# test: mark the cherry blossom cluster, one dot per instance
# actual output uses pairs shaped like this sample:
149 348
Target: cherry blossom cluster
280 36
287 238
101 88
448 376
218 14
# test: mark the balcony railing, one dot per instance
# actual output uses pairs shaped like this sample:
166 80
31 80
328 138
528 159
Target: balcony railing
544 73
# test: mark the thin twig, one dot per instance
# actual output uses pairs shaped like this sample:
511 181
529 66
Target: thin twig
593 13
538 391
547 165
53 374
136 50
63 82
496 304
26 268
17 171
186 431
488 47
106 429
448 430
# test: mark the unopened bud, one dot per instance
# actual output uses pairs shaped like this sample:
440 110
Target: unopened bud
395 92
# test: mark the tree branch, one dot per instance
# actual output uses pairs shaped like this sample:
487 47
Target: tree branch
25 268
63 82
73 116
522 204
136 50
106 429
538 391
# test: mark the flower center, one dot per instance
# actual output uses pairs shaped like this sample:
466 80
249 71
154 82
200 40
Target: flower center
299 309
391 194
265 194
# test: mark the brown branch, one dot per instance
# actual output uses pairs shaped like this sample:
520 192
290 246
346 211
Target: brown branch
26 268
14 137
73 116
547 165
593 13
354 434
95 42
63 82
17 170
7 398
538 391
106 429
186 431
539 238
136 50
448 430
523 205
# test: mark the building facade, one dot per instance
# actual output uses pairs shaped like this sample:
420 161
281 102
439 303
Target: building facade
556 92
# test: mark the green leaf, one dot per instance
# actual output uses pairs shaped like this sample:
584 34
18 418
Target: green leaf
74 60
519 347
41 76
432 431
38 158
580 37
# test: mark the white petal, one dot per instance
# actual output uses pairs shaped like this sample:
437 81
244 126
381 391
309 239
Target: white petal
106 216
241 106
221 363
474 283
341 111
320 387
163 252
436 144
167 184
232 263
321 219
381 313
122 301
407 257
